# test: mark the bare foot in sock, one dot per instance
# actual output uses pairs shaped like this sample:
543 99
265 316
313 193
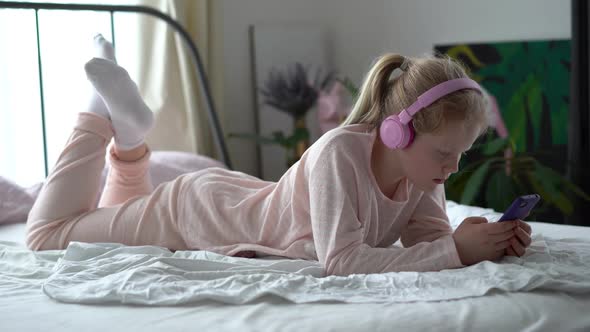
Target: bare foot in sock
131 117
102 49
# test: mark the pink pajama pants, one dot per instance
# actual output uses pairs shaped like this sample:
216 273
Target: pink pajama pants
130 211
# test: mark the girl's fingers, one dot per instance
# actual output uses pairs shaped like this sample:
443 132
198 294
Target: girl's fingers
526 227
517 247
523 237
500 227
510 252
502 236
502 245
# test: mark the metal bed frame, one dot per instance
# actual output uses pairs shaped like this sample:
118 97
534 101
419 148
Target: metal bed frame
194 52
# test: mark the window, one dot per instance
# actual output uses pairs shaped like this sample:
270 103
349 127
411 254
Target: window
65 45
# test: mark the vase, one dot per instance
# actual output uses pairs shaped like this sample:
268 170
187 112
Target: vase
302 145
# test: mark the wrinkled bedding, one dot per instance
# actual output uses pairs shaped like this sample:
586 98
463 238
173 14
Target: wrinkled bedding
549 299
111 273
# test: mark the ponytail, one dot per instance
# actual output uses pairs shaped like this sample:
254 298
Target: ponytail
381 96
370 104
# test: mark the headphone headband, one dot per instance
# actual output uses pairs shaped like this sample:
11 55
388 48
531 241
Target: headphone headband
435 93
397 132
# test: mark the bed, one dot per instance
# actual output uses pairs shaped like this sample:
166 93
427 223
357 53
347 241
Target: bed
107 286
26 306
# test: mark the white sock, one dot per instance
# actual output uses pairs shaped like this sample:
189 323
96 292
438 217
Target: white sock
102 49
131 117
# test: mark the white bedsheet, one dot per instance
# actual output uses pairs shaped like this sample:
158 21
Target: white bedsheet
112 273
24 306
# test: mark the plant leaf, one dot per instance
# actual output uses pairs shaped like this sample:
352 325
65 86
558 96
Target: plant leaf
257 138
494 146
280 138
349 85
546 182
564 203
500 190
472 187
455 186
546 171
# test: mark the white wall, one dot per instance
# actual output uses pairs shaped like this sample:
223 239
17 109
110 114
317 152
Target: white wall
416 25
362 29
357 28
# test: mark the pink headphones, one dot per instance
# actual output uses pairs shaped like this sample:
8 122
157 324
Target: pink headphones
396 130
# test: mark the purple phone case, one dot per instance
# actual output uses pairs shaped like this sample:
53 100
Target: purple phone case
521 207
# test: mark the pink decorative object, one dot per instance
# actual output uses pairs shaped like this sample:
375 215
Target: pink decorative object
501 129
498 121
332 109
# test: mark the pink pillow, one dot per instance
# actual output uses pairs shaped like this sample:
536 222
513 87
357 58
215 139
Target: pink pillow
16 201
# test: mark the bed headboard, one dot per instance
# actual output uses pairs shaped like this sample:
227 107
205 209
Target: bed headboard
177 27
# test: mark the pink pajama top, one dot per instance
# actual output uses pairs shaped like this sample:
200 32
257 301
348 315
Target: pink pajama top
326 207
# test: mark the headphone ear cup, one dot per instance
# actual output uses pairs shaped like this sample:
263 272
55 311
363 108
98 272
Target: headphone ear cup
394 134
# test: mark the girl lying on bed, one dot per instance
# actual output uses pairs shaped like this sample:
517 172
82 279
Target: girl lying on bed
352 195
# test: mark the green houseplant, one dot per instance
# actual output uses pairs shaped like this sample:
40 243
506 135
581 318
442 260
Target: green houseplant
498 174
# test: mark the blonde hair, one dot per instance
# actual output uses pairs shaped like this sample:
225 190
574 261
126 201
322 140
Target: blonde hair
381 95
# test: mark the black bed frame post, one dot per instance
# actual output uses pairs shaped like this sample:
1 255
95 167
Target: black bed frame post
201 74
579 119
113 39
41 95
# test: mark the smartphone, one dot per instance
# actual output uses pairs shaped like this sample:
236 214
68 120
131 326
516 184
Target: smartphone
521 207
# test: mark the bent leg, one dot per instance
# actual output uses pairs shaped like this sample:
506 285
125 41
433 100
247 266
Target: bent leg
64 210
73 184
126 179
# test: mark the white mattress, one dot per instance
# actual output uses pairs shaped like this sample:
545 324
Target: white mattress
26 308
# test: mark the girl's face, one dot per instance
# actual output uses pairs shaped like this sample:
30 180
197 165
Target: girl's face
433 157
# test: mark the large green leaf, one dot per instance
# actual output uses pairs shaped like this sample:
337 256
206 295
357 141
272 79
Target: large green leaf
473 185
494 146
457 182
550 182
539 189
557 178
519 111
530 72
455 185
500 190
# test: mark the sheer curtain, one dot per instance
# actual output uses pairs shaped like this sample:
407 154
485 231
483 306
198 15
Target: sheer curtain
153 55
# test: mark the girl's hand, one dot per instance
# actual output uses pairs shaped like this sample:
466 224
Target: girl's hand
477 240
521 241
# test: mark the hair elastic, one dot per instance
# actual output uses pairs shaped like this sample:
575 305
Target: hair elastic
405 64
